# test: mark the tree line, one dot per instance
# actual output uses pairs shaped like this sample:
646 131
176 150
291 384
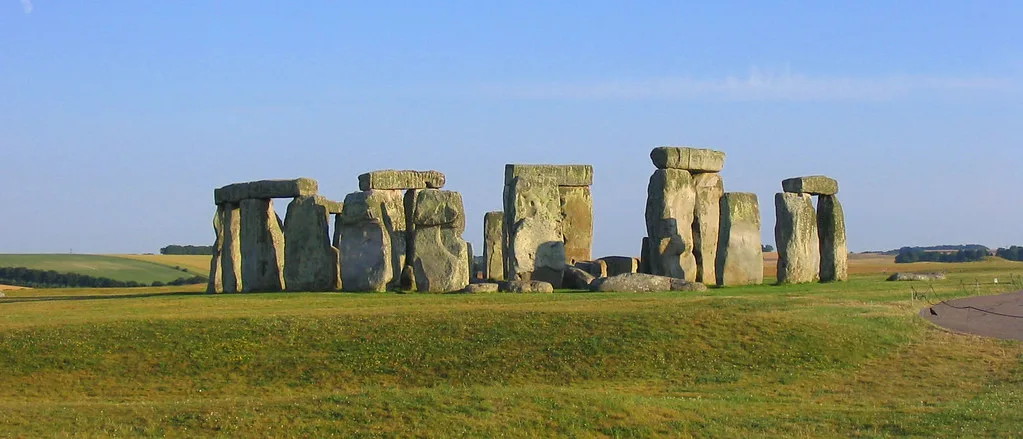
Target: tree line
1014 253
175 249
28 277
908 255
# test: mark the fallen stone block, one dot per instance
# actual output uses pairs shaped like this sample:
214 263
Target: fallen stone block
526 286
643 283
619 265
576 278
916 276
481 288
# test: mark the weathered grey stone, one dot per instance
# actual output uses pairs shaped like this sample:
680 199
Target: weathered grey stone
644 256
264 189
526 286
310 262
576 278
709 189
643 283
231 253
695 160
372 240
795 232
434 207
834 250
916 276
813 185
562 175
670 209
493 257
481 288
740 257
216 280
577 222
391 179
439 258
536 247
596 268
408 277
620 265
262 247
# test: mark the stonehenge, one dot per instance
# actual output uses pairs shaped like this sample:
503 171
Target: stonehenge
401 230
811 242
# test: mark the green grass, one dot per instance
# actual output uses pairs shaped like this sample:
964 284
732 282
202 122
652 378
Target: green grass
117 268
831 360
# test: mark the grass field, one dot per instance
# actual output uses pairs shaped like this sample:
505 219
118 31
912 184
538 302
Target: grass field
121 267
845 359
197 265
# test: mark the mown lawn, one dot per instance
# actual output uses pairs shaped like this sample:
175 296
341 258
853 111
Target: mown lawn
835 360
113 267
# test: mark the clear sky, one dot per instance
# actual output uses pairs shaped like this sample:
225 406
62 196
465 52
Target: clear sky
118 118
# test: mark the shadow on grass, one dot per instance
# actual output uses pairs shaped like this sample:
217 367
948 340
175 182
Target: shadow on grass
99 297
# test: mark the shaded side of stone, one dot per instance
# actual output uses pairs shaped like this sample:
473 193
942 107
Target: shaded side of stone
262 247
644 256
310 262
216 279
670 209
834 249
264 189
577 222
795 232
740 257
619 265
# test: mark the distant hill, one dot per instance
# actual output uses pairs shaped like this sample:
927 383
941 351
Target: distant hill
936 248
111 267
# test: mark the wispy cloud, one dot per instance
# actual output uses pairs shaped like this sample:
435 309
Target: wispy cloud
26 5
757 86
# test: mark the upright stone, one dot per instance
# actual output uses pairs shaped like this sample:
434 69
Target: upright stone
695 160
834 250
709 189
390 179
372 240
535 247
577 222
262 247
440 259
740 257
231 254
216 283
813 185
644 256
795 232
670 208
310 262
493 257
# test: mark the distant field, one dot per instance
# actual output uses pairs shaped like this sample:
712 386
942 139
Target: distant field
197 265
117 268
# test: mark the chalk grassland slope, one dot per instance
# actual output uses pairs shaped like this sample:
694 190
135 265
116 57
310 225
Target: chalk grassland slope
197 265
116 268
825 360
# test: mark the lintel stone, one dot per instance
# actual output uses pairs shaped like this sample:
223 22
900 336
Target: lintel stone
813 185
265 189
695 160
563 175
401 179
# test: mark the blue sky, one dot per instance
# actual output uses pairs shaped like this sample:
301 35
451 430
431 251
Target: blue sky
118 118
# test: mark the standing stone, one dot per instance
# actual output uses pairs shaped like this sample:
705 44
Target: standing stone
644 256
795 232
670 208
493 258
310 262
577 222
834 250
231 254
535 247
262 247
216 283
372 240
709 189
740 257
440 258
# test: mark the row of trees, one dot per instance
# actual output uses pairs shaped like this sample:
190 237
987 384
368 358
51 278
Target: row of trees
908 255
1014 253
27 277
174 249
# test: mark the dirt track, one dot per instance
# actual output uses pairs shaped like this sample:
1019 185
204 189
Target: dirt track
998 316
